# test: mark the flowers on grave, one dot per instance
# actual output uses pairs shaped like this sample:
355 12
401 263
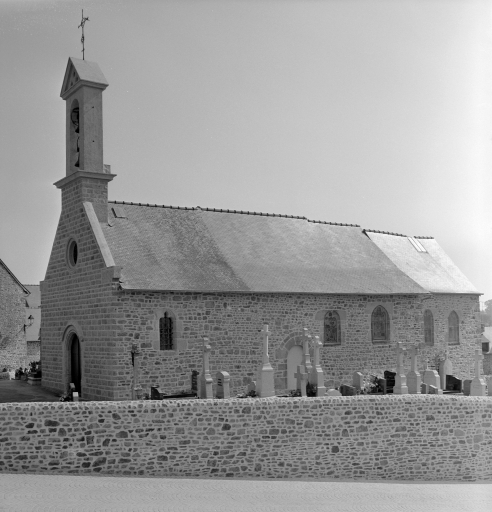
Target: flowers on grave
35 369
311 389
373 385
249 394
294 392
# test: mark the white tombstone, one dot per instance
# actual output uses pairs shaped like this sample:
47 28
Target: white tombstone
445 368
358 381
400 387
223 385
75 396
333 392
264 380
206 390
414 378
431 378
306 362
301 377
478 385
317 376
294 359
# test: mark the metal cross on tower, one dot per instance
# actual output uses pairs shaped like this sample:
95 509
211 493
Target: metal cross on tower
82 23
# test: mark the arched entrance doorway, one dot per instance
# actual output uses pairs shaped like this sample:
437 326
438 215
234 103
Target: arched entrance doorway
75 363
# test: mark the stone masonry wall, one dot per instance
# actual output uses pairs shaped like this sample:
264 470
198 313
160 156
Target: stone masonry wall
233 321
406 437
80 297
13 346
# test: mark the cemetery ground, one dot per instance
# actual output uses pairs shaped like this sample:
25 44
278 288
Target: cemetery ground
63 493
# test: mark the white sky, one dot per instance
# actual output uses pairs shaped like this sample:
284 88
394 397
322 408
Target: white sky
375 113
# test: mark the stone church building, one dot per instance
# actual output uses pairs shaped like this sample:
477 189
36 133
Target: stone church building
126 276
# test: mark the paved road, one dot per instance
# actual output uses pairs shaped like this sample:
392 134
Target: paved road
53 493
21 391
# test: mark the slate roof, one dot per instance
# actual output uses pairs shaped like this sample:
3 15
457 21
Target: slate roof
433 269
178 249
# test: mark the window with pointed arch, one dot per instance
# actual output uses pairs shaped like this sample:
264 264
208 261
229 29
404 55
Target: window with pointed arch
380 325
453 329
332 329
428 327
166 331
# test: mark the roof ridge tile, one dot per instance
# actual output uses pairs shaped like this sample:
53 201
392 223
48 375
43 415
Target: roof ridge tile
239 212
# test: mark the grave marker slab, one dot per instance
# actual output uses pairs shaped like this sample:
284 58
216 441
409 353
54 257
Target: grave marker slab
316 376
424 388
265 376
75 396
466 387
306 357
453 384
347 390
358 381
206 390
333 392
194 381
301 377
434 390
431 377
223 385
478 385
445 369
400 387
251 386
414 379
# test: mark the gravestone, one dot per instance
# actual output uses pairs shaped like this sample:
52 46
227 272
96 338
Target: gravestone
453 384
445 369
316 376
389 377
306 357
424 388
431 377
301 377
223 385
466 387
414 378
489 386
75 396
194 381
400 387
434 390
478 385
264 380
333 392
383 386
155 392
347 390
206 379
358 381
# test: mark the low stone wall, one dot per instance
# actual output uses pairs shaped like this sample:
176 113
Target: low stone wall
406 437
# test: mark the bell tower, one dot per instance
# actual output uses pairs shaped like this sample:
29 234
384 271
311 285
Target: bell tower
86 177
82 90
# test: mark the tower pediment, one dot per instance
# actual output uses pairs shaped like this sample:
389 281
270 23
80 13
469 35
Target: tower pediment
82 72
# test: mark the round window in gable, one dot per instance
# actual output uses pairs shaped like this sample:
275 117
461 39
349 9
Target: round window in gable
72 253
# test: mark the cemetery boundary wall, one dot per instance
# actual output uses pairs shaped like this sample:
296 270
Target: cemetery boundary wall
405 437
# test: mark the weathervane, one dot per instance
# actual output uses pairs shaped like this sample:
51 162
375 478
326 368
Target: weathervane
82 23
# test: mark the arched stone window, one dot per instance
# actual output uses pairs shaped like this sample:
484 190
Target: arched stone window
166 331
380 325
332 330
428 327
453 329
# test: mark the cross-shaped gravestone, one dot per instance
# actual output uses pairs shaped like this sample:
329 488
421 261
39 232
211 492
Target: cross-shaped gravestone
301 379
206 378
137 388
400 387
478 384
316 376
265 376
414 380
306 356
